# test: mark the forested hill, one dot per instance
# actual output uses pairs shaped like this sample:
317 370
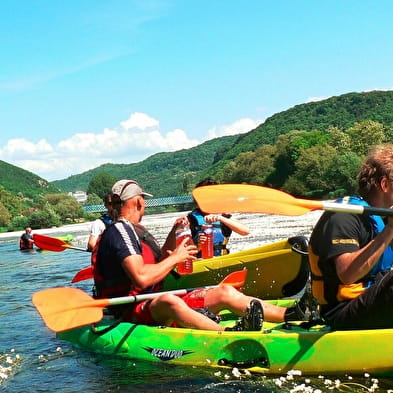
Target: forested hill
18 181
162 174
168 173
340 111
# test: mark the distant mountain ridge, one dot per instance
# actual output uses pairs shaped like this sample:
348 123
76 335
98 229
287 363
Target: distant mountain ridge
165 179
162 174
169 173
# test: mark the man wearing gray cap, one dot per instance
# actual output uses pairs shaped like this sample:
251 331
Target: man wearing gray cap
121 271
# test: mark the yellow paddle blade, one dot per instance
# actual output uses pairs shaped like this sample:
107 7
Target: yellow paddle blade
67 308
247 198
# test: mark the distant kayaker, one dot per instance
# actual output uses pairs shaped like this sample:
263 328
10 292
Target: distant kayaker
26 241
121 270
222 225
351 255
101 223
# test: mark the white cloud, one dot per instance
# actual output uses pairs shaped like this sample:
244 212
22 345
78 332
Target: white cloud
238 127
316 99
137 138
139 120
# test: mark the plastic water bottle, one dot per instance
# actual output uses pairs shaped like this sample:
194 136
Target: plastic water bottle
183 231
206 241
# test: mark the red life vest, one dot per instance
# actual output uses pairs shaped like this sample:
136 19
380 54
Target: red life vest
151 254
25 244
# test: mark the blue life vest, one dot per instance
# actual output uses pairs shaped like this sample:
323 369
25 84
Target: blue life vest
106 219
219 240
385 261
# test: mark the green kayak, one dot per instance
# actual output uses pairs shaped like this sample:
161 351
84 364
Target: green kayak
66 238
277 349
275 270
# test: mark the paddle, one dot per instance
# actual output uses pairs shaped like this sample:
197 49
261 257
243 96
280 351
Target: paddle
247 198
53 244
68 308
83 274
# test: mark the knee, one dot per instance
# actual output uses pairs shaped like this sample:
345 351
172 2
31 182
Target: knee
226 291
168 300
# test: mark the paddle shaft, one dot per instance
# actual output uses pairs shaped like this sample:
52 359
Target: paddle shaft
147 296
116 301
67 308
356 209
77 248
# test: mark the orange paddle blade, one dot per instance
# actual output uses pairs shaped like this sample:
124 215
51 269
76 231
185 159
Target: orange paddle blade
247 198
68 308
237 279
83 274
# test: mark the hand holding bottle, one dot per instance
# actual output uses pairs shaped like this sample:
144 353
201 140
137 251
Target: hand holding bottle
184 239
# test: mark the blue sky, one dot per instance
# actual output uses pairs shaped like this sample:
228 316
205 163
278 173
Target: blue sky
85 82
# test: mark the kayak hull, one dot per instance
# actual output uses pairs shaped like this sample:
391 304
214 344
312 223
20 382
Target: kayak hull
274 350
275 270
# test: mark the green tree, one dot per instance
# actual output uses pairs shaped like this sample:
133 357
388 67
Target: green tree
312 170
339 139
65 206
251 167
11 202
93 199
5 216
45 218
342 173
18 223
101 184
365 134
289 148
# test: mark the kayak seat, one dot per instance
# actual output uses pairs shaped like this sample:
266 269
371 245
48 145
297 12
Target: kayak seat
299 244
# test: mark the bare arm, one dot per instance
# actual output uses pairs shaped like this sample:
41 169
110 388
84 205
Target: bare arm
231 223
355 265
91 242
170 242
144 275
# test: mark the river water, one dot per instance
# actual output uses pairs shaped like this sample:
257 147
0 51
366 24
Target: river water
32 359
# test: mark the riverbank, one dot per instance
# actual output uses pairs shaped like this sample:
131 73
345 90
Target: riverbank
263 228
72 228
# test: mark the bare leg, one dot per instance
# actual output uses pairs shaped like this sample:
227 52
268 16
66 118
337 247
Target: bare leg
225 297
167 309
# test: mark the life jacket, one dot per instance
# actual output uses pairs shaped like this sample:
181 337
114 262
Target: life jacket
122 286
197 220
351 291
24 244
106 219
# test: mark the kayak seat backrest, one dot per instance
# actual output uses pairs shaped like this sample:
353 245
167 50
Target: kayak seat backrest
299 244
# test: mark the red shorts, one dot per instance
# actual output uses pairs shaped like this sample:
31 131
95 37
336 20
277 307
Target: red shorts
141 312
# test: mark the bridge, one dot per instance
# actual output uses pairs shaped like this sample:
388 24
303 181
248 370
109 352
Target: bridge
150 202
